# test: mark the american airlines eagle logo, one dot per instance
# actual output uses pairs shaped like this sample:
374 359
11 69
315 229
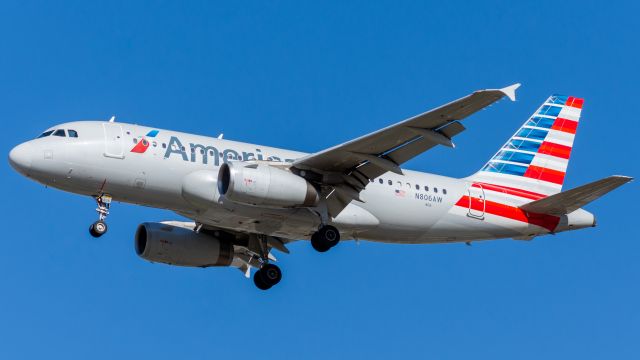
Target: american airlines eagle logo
143 144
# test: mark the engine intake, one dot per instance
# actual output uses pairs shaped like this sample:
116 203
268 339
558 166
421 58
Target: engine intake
174 245
265 185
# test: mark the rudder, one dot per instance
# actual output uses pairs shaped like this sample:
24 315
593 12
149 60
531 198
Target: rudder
535 158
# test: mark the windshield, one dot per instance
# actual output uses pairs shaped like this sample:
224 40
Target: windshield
45 134
59 132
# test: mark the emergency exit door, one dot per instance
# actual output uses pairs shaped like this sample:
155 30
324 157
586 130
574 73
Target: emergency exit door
477 201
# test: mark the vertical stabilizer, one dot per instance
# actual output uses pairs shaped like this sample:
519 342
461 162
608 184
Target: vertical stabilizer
535 159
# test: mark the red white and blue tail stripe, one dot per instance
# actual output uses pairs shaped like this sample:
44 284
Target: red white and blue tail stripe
533 163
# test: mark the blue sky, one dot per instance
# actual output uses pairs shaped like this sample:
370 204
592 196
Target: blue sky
306 76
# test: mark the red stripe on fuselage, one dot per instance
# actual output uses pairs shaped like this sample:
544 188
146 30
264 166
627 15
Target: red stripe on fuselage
510 190
544 174
548 222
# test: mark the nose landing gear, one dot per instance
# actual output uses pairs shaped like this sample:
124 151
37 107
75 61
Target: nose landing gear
99 227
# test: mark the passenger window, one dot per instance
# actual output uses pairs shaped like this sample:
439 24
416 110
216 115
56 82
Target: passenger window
135 141
72 133
45 134
426 188
390 182
155 144
381 181
417 187
164 145
435 190
59 132
444 191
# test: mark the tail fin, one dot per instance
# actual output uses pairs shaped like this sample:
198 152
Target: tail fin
535 159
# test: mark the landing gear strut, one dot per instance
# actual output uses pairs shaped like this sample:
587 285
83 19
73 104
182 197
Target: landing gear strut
325 238
269 274
99 227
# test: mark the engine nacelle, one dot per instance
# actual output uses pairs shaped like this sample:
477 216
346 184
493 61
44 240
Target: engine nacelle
174 245
265 185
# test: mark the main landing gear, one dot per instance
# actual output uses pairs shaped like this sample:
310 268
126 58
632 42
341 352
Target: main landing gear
99 227
325 238
269 274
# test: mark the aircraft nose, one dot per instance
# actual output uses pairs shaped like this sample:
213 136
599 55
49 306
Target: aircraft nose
20 157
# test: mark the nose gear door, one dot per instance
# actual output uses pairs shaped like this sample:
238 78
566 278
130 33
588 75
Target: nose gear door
477 201
113 142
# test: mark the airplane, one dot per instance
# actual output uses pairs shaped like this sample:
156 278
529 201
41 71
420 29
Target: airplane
245 200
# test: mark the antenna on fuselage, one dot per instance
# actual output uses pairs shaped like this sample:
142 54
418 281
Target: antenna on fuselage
113 118
220 136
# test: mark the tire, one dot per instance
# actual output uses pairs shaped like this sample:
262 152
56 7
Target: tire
260 284
325 238
98 229
270 274
330 234
318 244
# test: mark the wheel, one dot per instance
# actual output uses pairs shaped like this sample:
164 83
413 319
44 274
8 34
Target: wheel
270 274
330 234
325 238
98 228
318 244
260 284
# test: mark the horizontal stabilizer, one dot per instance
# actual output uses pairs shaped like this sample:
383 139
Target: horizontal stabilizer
571 200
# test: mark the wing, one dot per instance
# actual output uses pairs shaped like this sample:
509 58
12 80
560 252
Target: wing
346 169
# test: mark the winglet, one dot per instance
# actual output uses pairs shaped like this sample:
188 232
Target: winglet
510 91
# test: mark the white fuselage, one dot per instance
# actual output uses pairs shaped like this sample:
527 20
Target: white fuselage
411 208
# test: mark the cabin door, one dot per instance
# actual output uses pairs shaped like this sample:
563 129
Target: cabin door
113 142
477 201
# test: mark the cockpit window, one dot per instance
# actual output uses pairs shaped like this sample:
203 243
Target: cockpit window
45 134
59 132
72 133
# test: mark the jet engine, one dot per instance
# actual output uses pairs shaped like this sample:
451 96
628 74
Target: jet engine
175 245
265 185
